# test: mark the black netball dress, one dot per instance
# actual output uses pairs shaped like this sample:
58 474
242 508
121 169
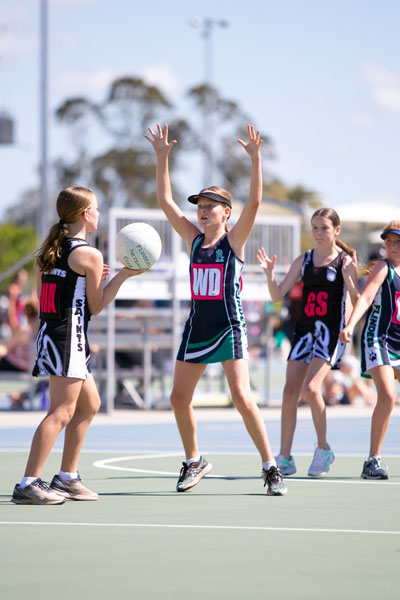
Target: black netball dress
322 314
380 339
215 330
62 345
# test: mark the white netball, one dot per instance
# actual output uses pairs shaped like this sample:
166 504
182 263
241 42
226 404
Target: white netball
138 246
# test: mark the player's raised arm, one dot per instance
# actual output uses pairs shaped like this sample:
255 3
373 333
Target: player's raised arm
162 148
279 291
242 228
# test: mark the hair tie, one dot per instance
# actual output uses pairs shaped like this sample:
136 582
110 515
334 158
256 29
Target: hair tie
61 224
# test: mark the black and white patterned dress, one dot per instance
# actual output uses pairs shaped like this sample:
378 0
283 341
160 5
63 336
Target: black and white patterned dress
62 345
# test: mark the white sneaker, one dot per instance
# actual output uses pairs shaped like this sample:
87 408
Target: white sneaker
286 467
321 462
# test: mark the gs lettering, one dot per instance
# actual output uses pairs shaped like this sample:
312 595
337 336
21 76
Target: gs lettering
316 304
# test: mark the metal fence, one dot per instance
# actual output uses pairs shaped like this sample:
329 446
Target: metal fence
168 281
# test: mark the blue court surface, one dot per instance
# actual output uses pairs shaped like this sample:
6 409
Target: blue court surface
347 434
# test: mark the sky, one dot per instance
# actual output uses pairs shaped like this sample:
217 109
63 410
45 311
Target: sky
321 78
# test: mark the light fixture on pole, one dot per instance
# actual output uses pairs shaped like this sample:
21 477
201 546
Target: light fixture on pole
206 26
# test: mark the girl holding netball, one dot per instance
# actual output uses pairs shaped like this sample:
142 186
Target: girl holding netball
69 284
215 330
380 341
328 273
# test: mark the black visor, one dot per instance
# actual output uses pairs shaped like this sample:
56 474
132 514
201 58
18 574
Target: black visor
211 196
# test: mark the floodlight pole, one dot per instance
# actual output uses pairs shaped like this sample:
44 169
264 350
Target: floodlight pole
207 28
42 212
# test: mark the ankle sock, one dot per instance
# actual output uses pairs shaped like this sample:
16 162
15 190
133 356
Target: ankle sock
67 476
25 481
268 464
189 461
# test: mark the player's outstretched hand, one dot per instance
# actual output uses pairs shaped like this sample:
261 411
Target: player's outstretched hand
267 264
159 140
252 147
133 272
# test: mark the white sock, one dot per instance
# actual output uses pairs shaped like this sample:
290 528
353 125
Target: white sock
268 464
371 456
189 461
67 476
25 481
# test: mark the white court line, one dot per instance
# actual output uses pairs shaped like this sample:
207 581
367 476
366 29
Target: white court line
214 527
107 464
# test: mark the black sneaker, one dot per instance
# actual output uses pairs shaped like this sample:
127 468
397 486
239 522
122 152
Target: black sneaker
38 492
191 475
274 480
373 469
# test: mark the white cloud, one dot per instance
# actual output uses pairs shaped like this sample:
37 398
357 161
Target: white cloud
385 86
11 43
162 77
361 121
84 83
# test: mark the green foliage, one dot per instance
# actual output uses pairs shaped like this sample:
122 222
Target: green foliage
16 242
109 153
297 194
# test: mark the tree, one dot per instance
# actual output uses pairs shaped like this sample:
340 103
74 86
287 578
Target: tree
222 122
123 173
16 243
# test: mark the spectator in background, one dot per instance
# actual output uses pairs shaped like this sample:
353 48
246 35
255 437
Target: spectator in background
17 353
16 300
345 385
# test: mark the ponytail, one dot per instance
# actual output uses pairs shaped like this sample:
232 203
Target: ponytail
50 250
71 204
348 249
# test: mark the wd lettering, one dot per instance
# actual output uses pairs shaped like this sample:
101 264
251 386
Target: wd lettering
47 298
316 304
207 282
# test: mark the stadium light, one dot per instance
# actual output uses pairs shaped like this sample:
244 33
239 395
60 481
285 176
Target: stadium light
206 26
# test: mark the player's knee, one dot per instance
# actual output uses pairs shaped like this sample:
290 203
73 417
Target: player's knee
311 392
62 416
179 400
291 391
388 399
242 401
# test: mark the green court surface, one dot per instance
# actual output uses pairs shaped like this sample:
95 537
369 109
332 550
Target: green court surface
335 537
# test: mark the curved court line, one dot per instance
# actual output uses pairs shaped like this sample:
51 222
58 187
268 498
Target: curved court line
106 464
219 527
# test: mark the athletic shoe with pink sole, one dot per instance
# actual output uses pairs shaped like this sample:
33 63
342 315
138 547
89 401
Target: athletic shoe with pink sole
191 475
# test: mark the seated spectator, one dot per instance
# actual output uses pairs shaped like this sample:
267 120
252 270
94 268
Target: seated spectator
18 352
345 385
